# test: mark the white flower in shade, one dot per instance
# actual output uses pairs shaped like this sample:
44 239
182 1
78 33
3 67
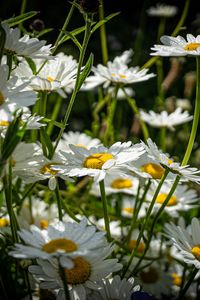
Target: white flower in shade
155 281
114 288
62 240
185 172
116 184
162 10
128 208
53 75
187 241
37 212
80 277
178 46
115 228
99 161
117 72
77 139
164 119
13 96
25 46
182 199
39 168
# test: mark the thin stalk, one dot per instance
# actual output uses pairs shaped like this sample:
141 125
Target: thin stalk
64 281
22 11
160 77
75 91
105 210
186 287
134 251
104 47
161 28
58 199
55 113
196 116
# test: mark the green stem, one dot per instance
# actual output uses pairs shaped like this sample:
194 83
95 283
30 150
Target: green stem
75 91
64 281
160 77
105 210
58 199
55 113
134 251
163 138
161 28
104 47
186 287
196 116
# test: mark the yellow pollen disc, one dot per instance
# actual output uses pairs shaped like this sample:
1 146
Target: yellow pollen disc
150 276
97 160
63 245
154 170
176 279
170 161
79 273
4 123
113 74
140 248
121 183
1 98
161 198
51 79
3 222
122 76
48 169
44 223
129 210
192 46
81 145
196 251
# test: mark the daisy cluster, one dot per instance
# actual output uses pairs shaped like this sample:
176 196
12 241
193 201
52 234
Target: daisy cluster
99 214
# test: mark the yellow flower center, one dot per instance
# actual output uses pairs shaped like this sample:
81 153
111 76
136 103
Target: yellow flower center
162 197
97 160
176 279
79 273
48 169
128 210
150 276
156 171
50 79
192 46
81 145
4 123
1 98
62 245
3 222
44 223
196 251
121 183
140 248
120 75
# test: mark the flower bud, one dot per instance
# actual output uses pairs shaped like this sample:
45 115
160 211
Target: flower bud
89 6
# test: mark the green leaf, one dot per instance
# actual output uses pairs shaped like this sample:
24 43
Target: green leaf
31 65
44 31
74 39
86 71
101 22
73 32
19 19
46 142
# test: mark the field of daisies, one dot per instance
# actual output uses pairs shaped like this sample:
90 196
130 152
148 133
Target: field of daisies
110 212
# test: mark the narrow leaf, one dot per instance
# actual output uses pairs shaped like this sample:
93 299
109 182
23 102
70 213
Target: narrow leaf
101 22
86 71
19 19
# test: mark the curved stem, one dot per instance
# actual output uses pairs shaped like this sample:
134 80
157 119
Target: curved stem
196 116
105 210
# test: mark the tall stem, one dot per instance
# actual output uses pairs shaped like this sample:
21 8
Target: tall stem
75 91
64 281
186 287
105 210
58 199
196 116
104 47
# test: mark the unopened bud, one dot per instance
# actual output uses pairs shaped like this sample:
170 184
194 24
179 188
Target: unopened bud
89 6
37 25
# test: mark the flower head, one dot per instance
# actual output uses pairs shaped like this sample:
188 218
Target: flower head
162 10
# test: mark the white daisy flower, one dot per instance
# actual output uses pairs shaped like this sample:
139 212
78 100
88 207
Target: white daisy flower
185 172
99 161
13 96
116 184
114 288
178 46
25 46
162 10
164 119
83 275
54 75
182 199
186 241
128 204
115 228
77 139
62 240
117 72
